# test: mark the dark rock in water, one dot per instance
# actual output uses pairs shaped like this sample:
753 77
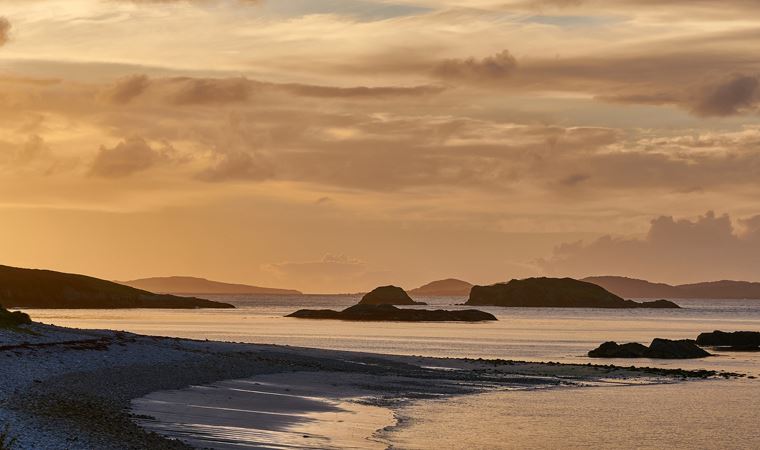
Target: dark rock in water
737 340
681 349
389 313
658 349
615 350
13 319
388 295
554 293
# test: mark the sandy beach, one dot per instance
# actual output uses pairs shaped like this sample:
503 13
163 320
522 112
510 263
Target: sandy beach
68 388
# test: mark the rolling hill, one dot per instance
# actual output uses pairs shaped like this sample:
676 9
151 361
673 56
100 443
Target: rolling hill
33 288
634 288
449 287
201 286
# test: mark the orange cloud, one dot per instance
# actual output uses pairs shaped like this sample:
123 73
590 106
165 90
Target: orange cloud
679 251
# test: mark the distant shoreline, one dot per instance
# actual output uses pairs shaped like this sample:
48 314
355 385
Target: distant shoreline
65 386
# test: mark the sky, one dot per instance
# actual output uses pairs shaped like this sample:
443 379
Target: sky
337 145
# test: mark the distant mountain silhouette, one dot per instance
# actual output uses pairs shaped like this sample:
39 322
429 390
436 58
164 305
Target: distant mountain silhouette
726 289
554 293
32 288
200 286
631 287
634 288
443 288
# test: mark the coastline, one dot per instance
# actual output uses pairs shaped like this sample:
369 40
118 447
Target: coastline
74 388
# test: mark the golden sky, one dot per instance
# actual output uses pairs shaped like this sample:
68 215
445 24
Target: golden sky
334 145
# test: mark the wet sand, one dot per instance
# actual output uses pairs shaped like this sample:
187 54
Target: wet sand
67 388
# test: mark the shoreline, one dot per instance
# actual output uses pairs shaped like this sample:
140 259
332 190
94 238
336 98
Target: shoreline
74 388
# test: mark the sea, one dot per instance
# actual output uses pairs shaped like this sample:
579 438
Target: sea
702 415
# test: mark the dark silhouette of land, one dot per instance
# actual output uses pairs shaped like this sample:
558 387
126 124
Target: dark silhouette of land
635 288
388 295
389 313
658 349
450 287
10 319
736 341
32 288
554 293
202 286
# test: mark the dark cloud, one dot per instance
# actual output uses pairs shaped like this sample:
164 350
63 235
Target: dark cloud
707 248
5 30
186 91
738 94
197 91
127 88
128 157
490 69
574 179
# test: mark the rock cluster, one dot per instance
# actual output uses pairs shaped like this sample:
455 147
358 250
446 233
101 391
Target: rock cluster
658 349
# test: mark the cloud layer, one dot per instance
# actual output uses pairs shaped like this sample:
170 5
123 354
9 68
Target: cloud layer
707 248
322 127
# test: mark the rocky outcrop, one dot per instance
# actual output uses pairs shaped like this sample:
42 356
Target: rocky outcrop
30 288
658 349
615 350
389 313
388 295
554 293
737 340
13 319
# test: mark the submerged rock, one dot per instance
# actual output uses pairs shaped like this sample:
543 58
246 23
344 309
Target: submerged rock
737 340
554 293
658 349
388 295
376 313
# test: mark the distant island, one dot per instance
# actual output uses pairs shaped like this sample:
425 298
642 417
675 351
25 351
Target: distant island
658 349
554 293
378 306
33 288
201 286
635 288
389 313
450 287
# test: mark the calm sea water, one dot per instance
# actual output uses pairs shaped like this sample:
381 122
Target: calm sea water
691 415
533 334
